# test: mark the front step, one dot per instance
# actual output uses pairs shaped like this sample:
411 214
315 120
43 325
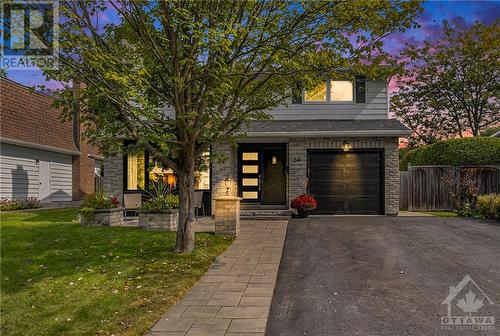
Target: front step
265 214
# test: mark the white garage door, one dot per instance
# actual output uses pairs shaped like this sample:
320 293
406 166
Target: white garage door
28 172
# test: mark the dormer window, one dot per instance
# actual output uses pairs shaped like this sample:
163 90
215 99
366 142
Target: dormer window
332 91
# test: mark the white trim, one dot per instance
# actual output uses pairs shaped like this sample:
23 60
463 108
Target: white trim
38 146
311 134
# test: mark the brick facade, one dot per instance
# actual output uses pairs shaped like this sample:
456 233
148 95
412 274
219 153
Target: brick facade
297 164
29 117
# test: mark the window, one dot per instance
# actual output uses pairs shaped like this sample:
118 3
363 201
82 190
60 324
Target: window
136 171
158 173
331 91
318 94
202 175
341 91
141 170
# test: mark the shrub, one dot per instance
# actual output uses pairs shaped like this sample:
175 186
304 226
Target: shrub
463 189
490 131
488 206
160 199
455 152
158 204
99 200
304 202
19 204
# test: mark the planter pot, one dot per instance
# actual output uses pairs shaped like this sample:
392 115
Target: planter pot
106 217
166 220
303 213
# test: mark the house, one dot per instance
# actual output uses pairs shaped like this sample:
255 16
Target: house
335 142
41 157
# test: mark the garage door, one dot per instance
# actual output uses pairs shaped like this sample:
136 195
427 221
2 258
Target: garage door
346 182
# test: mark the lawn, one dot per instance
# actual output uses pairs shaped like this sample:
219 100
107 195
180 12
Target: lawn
442 213
58 278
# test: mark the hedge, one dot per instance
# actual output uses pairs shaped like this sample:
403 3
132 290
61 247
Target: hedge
455 152
488 206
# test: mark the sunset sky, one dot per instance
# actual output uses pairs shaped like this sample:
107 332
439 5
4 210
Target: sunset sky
430 20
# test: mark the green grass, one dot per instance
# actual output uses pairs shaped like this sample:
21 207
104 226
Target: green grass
442 213
58 278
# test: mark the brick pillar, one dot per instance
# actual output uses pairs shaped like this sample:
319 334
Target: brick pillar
227 215
113 176
83 173
223 169
391 149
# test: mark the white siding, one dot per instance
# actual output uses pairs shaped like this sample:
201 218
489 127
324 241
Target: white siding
374 108
19 173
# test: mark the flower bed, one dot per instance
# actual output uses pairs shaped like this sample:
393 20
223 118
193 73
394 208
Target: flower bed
98 209
161 211
19 204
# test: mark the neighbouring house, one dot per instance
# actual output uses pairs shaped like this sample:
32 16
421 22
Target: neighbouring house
335 142
41 157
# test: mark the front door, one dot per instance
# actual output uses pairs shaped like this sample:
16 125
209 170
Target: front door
262 173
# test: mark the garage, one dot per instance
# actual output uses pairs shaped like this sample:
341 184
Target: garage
346 183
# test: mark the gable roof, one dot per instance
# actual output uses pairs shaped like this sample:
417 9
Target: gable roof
308 128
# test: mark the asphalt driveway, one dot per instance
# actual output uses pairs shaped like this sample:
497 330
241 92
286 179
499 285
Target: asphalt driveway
375 276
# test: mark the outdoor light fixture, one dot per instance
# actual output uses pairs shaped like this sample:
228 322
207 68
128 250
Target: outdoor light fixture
274 160
227 184
346 146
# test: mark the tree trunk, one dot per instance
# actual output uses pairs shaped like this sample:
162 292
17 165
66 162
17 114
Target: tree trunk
185 229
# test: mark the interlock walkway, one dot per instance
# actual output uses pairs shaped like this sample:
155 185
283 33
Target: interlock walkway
234 297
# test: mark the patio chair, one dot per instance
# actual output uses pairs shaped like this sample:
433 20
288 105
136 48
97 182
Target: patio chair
198 203
132 202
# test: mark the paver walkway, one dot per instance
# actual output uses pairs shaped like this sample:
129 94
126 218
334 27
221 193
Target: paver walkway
234 297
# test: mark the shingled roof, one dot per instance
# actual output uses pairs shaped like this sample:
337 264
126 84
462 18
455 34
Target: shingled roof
289 128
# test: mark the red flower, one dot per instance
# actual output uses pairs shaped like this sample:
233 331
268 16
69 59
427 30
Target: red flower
115 201
304 202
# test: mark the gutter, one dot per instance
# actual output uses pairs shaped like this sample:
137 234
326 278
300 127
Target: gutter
38 146
302 134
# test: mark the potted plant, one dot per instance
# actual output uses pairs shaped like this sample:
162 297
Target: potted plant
161 210
304 204
99 209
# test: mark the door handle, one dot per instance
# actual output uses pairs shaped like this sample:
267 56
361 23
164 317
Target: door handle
260 182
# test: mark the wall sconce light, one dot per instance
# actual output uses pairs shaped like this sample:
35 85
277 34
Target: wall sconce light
227 184
274 160
346 146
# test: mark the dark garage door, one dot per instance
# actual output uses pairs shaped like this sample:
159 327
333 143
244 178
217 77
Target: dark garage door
346 182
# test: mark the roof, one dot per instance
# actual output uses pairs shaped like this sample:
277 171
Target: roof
29 119
295 128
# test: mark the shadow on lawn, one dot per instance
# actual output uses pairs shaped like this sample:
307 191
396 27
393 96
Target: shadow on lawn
51 249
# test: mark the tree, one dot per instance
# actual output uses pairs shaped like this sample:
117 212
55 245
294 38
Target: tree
178 76
450 86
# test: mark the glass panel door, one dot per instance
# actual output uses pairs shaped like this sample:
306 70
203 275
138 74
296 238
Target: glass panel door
250 174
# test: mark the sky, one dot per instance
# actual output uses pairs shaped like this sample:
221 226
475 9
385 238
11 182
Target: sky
430 20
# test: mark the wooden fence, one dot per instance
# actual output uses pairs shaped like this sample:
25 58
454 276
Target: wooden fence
424 188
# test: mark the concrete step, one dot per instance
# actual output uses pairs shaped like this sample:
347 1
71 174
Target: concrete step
264 214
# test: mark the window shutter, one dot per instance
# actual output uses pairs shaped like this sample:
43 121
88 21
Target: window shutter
297 93
360 89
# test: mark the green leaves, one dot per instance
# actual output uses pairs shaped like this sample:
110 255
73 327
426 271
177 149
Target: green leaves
451 86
